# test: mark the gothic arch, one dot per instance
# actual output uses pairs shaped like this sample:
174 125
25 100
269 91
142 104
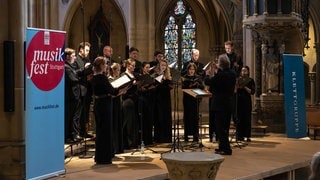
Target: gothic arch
73 24
314 15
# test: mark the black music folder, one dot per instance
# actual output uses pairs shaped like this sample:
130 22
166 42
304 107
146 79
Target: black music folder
146 80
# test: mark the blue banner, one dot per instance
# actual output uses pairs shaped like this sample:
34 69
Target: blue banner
294 89
44 65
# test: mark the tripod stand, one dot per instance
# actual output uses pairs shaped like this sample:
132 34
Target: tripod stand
176 144
198 94
140 112
176 136
234 134
85 155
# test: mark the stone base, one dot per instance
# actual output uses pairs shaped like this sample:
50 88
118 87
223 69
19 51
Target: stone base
192 165
272 112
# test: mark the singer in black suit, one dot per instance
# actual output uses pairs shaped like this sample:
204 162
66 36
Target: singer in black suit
84 72
223 88
191 104
72 99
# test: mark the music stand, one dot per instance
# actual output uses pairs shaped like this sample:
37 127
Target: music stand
176 144
198 94
144 81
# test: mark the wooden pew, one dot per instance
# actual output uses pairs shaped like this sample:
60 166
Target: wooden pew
313 121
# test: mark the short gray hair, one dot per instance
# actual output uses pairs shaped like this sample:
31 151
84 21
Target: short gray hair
223 61
315 167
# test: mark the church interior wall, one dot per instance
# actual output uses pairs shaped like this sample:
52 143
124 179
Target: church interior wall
215 26
118 38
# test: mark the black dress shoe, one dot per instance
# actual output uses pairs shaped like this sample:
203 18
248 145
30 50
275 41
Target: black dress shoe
104 162
223 153
248 140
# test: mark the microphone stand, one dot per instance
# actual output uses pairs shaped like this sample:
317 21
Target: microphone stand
176 145
140 112
236 125
85 155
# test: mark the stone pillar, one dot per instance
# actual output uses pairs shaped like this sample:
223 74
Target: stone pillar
245 9
281 70
141 30
264 49
265 7
255 7
12 138
31 10
279 9
312 76
317 47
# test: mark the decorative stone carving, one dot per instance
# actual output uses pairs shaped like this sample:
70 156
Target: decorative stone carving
192 165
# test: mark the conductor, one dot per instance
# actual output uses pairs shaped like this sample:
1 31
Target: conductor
222 86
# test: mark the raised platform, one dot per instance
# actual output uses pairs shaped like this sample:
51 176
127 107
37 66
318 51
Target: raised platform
272 156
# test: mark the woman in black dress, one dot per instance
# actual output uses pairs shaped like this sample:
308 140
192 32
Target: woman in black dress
130 108
146 92
117 112
102 90
245 88
191 104
162 113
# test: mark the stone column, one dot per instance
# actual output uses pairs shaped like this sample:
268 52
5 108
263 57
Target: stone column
12 151
255 7
312 76
31 11
317 47
281 50
265 7
245 9
141 33
264 49
279 11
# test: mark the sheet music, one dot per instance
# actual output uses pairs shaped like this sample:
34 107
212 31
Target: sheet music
152 68
199 91
159 78
206 66
173 65
120 81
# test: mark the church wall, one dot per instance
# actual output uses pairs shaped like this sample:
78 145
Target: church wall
15 15
118 39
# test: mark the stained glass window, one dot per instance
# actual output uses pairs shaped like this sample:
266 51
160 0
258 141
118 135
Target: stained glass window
179 35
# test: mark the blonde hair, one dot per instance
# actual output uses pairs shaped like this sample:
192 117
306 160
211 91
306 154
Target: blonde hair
129 62
167 72
114 66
